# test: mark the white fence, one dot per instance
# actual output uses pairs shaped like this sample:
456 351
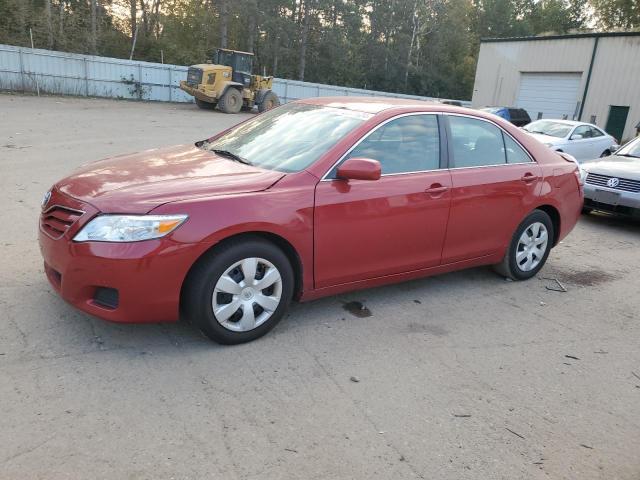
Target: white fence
31 70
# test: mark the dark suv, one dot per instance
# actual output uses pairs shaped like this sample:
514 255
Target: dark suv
518 116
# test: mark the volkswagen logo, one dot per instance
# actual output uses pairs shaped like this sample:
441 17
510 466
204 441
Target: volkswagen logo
46 198
613 182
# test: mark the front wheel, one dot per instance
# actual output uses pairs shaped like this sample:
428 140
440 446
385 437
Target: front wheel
606 153
529 247
240 291
231 101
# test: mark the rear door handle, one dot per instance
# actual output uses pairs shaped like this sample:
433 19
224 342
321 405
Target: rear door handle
436 189
528 177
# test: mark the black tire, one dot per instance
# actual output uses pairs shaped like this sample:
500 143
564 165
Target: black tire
587 210
231 101
205 105
269 101
606 153
509 266
200 285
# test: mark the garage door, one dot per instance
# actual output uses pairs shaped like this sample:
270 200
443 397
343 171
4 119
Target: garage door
553 94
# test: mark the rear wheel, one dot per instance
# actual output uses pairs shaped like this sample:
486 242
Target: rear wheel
231 101
529 247
205 105
240 291
269 101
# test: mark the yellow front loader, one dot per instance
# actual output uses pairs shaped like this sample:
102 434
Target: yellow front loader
228 83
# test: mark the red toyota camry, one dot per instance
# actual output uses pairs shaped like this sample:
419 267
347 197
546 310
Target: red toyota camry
313 198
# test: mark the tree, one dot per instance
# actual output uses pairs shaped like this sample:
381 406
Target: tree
617 13
304 35
94 26
224 23
424 47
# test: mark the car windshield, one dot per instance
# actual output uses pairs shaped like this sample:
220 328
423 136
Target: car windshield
631 149
288 138
549 127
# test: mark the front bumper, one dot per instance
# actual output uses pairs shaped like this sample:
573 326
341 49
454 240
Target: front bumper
611 200
135 282
199 94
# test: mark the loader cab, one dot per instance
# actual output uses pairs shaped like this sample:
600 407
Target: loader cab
241 64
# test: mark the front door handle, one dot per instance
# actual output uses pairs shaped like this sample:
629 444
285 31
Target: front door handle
528 177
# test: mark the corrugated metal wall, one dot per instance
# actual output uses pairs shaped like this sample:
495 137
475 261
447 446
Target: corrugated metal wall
29 70
500 65
614 79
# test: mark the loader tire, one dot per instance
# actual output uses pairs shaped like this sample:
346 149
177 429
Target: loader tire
269 101
231 101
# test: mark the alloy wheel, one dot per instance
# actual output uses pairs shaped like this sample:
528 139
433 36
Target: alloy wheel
532 246
247 294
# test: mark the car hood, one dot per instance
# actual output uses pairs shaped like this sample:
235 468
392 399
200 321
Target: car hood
615 166
140 182
546 138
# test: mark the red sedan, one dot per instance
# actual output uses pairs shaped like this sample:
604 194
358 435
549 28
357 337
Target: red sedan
310 199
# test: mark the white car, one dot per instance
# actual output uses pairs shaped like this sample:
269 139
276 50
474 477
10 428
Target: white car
582 140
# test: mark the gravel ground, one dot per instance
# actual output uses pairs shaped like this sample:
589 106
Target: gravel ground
460 376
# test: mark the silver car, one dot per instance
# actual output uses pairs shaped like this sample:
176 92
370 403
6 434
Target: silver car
583 141
612 184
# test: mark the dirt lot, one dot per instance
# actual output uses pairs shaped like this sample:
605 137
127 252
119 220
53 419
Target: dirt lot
462 376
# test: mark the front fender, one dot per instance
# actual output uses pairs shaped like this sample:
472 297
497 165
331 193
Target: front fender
227 85
285 210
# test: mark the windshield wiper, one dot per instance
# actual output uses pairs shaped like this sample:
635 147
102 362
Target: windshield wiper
231 155
626 155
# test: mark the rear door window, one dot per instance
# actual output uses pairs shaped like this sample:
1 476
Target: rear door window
475 143
596 132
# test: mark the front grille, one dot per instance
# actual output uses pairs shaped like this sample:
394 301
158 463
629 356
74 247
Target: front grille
624 184
194 76
56 220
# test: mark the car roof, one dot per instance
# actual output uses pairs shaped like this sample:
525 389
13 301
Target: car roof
573 123
378 104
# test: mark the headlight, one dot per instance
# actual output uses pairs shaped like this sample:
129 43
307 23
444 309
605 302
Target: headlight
128 228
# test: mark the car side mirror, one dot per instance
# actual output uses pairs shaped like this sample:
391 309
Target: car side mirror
576 136
360 169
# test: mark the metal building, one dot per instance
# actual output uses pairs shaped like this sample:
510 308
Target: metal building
592 77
